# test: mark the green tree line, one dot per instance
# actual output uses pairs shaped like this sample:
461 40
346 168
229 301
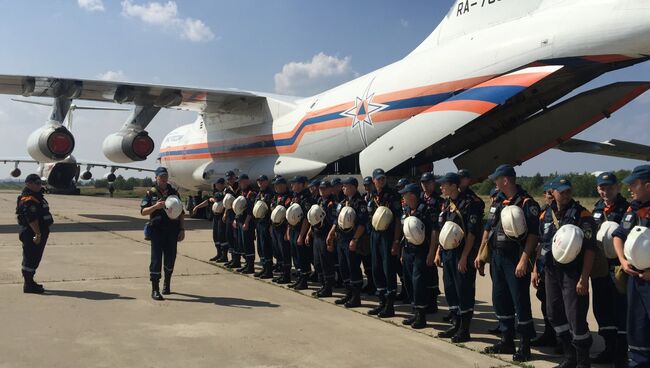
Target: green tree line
121 183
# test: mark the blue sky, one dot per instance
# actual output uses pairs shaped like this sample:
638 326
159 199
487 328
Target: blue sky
256 45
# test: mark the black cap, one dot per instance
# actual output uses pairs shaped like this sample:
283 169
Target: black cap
403 182
33 178
606 178
427 176
451 177
279 180
336 181
298 179
243 176
314 183
351 181
504 170
220 181
410 188
230 174
561 184
378 173
262 178
161 171
464 173
325 184
640 172
367 180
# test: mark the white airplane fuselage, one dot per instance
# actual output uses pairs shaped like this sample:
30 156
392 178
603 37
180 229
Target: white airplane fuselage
472 45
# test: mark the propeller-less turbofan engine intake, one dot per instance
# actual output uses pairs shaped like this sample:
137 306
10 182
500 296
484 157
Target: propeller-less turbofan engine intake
53 142
87 175
15 173
110 177
128 146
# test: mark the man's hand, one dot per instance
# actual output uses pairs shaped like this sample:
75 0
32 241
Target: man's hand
181 235
301 240
194 211
394 250
583 286
353 245
627 267
462 264
522 268
534 279
438 260
431 259
645 275
37 239
245 226
480 267
308 239
159 205
330 244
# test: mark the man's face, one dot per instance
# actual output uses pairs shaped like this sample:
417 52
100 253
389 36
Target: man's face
349 190
379 182
324 192
244 183
548 196
263 184
220 186
297 187
448 189
608 192
500 182
563 198
231 180
410 197
313 190
162 179
280 188
640 190
34 186
465 182
428 186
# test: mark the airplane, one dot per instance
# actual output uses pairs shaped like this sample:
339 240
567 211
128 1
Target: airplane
488 86
61 177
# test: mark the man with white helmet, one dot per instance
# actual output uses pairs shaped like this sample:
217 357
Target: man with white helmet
281 245
345 237
384 245
637 218
512 236
610 306
165 232
459 274
433 203
324 259
244 224
263 228
417 273
296 233
566 279
218 226
228 217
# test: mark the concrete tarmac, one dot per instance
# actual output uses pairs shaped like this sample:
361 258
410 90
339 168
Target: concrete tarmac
97 311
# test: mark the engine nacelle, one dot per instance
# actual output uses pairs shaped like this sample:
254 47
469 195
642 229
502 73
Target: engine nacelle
87 175
53 142
15 173
128 146
110 177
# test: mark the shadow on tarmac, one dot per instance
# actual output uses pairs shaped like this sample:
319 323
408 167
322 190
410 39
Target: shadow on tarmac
223 301
87 294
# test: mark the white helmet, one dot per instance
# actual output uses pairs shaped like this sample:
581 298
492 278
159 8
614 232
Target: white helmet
218 207
316 215
414 230
637 248
239 205
346 218
451 235
260 209
382 218
228 199
278 215
294 214
173 207
567 243
513 221
604 238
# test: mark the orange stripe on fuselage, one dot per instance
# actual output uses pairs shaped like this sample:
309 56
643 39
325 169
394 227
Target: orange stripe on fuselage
477 107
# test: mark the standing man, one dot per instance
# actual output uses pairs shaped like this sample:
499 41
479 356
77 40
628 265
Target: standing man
296 234
282 246
34 219
165 232
218 226
366 258
567 285
228 219
432 205
638 286
459 275
510 264
384 245
610 306
324 258
263 229
346 242
245 228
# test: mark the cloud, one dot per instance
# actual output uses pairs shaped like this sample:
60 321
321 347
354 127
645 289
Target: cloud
112 76
308 78
404 23
91 5
166 16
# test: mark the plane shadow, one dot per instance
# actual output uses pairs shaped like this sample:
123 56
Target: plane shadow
222 301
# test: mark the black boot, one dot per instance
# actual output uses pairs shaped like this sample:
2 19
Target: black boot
569 360
505 346
409 320
224 256
155 291
382 303
326 291
450 332
346 297
369 289
249 268
620 355
389 308
606 356
236 262
462 335
449 317
582 357
420 320
302 283
267 271
30 286
523 351
496 330
215 258
545 339
355 298
167 283
285 278
260 272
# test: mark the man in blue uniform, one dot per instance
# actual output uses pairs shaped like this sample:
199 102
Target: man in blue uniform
245 226
324 259
218 226
638 287
34 219
297 233
228 219
281 244
263 229
165 232
433 203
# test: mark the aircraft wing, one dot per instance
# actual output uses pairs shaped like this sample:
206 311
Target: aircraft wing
89 165
421 131
175 97
613 148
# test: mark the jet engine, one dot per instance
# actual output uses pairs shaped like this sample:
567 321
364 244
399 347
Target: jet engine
110 177
15 173
87 175
128 146
53 142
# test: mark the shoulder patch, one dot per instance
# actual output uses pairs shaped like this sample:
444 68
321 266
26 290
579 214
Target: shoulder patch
153 190
534 210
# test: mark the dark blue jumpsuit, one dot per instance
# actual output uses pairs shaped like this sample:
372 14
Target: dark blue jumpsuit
324 260
417 275
278 231
263 231
302 252
384 263
350 261
30 207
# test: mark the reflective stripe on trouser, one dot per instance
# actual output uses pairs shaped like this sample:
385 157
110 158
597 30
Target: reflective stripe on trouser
511 294
282 245
302 252
264 244
460 288
566 310
417 274
638 322
384 264
604 301
32 253
323 257
163 252
349 262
